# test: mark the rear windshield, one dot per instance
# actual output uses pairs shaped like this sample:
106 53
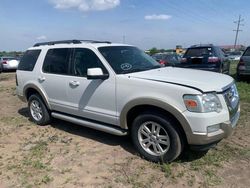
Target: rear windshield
172 58
197 52
157 56
247 52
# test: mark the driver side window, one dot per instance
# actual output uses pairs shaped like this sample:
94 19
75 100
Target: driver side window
83 59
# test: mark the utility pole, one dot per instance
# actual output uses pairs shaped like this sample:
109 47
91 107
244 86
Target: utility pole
123 39
238 22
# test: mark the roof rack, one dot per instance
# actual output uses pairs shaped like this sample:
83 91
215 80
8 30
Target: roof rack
69 42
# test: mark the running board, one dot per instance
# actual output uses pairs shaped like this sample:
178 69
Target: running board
105 128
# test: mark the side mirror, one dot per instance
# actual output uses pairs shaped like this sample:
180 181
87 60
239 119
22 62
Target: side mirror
96 73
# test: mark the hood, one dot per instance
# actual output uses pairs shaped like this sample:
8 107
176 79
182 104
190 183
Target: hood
203 81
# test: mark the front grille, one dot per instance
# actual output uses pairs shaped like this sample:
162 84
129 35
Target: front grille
232 99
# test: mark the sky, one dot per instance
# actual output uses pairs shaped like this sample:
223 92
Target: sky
143 23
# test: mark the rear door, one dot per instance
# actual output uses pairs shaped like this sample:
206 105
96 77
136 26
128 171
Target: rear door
224 60
246 58
54 77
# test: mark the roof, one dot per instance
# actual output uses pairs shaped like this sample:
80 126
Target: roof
232 46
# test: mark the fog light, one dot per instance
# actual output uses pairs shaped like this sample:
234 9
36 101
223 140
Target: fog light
213 128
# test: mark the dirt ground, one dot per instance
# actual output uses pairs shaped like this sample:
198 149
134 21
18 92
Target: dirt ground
67 155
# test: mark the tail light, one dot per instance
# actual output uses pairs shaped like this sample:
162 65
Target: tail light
183 60
213 59
162 62
241 63
4 62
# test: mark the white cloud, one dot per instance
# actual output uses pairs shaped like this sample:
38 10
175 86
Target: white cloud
86 5
157 17
42 37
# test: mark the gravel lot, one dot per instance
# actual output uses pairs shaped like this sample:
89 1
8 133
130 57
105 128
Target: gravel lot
67 155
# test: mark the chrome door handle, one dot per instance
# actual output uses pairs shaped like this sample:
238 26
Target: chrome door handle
74 83
41 78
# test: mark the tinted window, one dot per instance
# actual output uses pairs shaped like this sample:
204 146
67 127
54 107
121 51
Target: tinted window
83 59
57 61
247 52
8 58
127 59
196 52
172 58
28 60
157 56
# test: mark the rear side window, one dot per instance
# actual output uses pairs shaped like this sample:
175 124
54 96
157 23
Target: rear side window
197 52
247 52
28 60
57 61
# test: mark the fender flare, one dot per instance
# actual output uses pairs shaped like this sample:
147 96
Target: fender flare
40 91
156 103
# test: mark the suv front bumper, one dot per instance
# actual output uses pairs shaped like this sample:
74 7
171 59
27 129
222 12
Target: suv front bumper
201 140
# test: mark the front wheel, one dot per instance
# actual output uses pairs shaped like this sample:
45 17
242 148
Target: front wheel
38 111
156 138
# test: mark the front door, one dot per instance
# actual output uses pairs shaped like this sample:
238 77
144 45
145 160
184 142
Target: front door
90 99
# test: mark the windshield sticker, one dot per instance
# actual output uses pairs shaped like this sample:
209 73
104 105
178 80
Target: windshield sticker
126 66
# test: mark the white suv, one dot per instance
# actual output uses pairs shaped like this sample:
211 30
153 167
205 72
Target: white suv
118 89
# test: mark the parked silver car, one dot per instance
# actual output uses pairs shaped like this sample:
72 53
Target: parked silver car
8 63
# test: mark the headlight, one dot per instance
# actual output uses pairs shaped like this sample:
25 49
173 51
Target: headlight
203 103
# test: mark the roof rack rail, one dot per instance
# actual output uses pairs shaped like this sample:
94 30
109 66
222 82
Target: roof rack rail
69 42
58 42
95 41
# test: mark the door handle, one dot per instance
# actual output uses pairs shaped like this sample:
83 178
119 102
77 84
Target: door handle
41 78
74 83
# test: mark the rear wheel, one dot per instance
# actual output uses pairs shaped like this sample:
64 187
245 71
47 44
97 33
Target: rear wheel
156 138
38 111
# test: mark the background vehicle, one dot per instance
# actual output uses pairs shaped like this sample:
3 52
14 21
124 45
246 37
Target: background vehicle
8 63
167 59
234 56
243 67
206 57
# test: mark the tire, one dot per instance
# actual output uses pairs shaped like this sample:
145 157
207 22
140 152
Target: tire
239 77
38 111
228 71
171 146
221 69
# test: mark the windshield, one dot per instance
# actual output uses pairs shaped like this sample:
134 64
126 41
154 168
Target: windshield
127 59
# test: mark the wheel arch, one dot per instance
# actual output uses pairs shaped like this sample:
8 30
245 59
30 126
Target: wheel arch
135 107
31 89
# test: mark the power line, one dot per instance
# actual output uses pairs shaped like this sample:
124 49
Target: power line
238 22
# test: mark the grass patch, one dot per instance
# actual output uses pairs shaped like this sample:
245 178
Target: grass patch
46 179
39 149
244 91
